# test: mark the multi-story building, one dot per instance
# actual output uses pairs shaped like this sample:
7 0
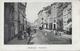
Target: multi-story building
48 17
67 17
39 20
22 15
8 21
43 20
14 15
56 16
53 17
60 16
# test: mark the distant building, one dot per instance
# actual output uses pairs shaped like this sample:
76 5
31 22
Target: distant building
53 17
48 17
57 16
42 19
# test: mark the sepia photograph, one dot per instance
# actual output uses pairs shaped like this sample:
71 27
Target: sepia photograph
37 23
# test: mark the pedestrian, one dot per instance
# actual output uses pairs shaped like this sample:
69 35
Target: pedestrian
26 36
29 31
29 34
34 30
20 35
23 34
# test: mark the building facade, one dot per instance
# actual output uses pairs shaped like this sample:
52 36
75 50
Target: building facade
67 17
57 16
22 15
53 18
60 17
43 20
12 19
48 16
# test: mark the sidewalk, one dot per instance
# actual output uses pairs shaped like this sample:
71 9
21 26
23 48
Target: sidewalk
67 36
17 41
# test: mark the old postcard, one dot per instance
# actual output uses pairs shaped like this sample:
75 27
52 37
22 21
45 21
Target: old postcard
40 25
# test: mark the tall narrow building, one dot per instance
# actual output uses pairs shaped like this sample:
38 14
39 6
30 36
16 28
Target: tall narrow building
14 15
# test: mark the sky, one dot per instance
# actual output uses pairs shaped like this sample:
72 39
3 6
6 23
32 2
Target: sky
33 8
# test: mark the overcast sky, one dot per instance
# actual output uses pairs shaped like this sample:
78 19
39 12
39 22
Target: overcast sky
33 8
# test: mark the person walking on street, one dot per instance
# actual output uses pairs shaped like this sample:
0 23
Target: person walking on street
29 34
26 36
20 35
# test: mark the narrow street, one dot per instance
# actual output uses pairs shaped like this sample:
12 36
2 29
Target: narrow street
45 23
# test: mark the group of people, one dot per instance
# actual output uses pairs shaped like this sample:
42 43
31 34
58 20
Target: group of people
25 34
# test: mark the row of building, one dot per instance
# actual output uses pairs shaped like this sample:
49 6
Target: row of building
56 16
14 20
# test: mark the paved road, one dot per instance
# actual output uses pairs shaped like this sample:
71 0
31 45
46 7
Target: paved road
42 37
39 38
